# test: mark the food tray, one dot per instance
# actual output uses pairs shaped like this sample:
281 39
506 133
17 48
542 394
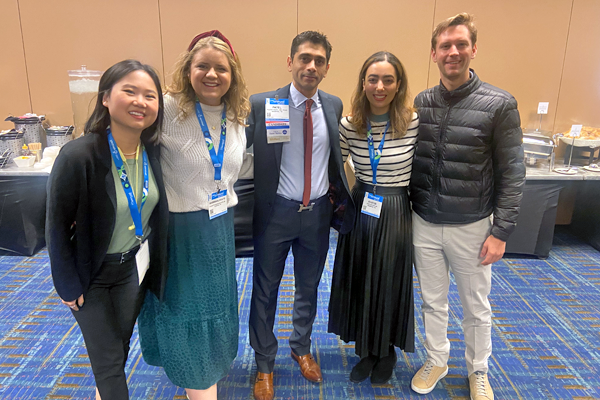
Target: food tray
580 142
539 147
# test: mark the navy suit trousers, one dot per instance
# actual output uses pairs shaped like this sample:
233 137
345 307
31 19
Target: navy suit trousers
307 233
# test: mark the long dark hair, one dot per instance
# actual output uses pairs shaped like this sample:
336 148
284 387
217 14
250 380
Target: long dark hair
100 118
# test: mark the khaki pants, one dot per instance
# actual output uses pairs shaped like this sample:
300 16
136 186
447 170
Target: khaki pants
440 248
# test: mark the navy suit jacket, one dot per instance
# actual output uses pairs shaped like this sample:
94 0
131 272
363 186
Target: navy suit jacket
267 162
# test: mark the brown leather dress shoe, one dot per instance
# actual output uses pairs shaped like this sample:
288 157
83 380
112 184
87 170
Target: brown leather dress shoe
263 386
309 367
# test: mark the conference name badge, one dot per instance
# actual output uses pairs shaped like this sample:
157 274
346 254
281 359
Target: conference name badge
372 205
277 120
142 260
217 204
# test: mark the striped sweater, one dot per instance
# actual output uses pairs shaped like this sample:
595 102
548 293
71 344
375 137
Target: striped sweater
395 165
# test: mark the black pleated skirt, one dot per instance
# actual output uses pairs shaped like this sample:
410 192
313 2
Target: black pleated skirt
372 287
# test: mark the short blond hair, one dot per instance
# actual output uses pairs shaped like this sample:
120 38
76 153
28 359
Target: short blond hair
465 19
236 97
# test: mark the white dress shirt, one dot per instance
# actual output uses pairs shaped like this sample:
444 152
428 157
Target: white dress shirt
291 179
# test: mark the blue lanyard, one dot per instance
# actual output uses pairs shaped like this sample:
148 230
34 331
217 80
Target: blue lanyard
217 159
136 214
375 155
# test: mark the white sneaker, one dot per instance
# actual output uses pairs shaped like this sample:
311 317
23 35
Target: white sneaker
427 377
480 386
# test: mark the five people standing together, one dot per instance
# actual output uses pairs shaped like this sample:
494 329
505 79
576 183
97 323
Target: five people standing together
455 156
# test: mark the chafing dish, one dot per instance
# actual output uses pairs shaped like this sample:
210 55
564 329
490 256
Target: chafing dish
537 146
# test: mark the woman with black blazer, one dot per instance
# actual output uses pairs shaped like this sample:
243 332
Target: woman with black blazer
107 217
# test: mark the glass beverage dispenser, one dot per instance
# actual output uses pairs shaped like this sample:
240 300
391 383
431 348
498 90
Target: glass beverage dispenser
83 84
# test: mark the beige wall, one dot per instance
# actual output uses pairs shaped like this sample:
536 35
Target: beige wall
14 90
357 29
579 100
64 34
521 48
262 48
539 50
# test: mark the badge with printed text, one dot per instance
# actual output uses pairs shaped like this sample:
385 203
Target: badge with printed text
372 205
217 204
142 260
277 120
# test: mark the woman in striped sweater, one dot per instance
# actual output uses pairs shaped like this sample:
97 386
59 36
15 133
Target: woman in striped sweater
372 291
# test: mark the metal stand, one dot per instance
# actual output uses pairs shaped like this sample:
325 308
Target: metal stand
4 158
571 154
540 127
568 170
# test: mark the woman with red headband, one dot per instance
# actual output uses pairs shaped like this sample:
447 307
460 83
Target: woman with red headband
193 331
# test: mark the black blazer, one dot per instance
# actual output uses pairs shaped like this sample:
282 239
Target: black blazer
267 162
81 190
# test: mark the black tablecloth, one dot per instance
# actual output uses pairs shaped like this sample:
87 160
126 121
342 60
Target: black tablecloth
535 225
586 215
22 214
23 208
244 188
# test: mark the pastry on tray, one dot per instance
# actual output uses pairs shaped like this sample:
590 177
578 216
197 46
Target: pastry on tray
589 137
587 133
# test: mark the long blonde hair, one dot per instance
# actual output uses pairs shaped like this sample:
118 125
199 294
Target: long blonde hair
401 111
236 97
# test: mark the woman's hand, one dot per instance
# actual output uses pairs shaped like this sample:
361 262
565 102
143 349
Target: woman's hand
75 304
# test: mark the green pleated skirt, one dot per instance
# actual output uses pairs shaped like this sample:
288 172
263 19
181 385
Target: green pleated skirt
193 332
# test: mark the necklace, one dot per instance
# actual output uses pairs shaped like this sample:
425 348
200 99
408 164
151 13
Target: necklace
132 154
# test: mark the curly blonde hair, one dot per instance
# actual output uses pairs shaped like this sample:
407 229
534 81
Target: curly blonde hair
401 111
236 97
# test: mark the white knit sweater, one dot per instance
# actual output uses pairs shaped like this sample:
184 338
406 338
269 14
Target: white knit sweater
187 167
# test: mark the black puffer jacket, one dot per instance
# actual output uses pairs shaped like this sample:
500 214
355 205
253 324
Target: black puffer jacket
469 157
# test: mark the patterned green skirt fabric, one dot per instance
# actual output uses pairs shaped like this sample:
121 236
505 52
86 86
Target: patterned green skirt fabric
193 333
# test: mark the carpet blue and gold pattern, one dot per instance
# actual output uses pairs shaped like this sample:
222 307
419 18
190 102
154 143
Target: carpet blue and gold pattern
546 335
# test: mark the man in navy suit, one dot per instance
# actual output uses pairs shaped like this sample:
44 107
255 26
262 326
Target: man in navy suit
298 195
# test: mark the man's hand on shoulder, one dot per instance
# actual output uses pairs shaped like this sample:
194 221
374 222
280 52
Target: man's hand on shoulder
492 251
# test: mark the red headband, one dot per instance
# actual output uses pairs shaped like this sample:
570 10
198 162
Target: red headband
214 33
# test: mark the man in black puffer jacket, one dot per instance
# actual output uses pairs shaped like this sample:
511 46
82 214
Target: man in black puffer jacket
468 166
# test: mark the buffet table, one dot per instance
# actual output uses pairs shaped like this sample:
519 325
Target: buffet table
534 232
535 225
22 210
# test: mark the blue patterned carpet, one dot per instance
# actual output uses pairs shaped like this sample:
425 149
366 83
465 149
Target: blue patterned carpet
546 331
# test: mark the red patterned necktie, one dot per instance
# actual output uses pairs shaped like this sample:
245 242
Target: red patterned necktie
308 147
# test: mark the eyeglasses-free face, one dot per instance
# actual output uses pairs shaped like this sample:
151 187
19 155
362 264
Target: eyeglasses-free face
132 102
308 68
210 75
380 85
453 54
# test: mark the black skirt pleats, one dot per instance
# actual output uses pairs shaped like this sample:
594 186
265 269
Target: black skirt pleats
372 286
